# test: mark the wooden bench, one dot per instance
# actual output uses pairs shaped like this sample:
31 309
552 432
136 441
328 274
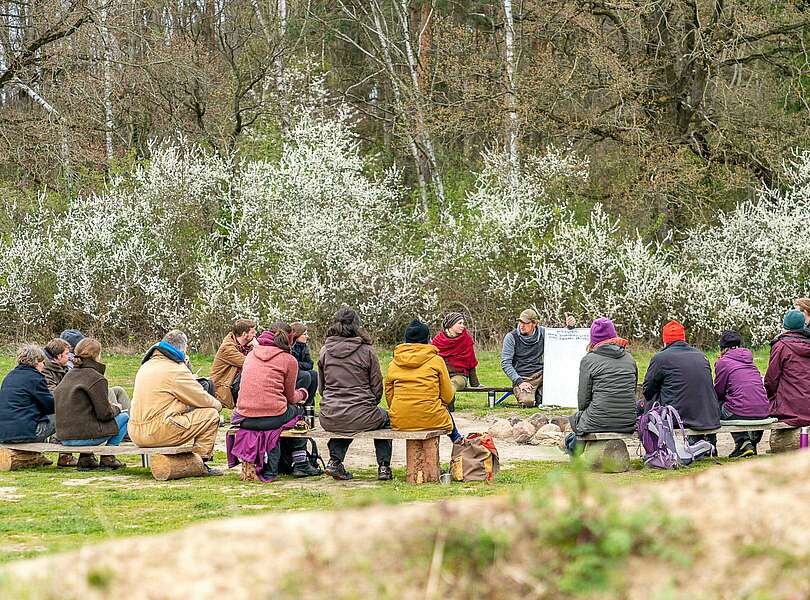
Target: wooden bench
421 447
491 393
166 463
608 451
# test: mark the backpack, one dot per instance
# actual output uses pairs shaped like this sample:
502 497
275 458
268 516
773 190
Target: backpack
475 458
285 464
663 449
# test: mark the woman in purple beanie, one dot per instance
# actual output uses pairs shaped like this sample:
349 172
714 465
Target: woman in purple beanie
607 386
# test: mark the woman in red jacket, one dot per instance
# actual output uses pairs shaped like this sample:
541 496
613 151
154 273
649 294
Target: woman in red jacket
457 348
268 399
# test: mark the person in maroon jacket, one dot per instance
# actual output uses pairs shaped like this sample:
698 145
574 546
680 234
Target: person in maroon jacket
787 380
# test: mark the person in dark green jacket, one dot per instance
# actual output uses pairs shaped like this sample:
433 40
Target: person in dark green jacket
607 386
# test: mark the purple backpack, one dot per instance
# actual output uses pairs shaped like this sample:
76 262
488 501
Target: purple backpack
662 447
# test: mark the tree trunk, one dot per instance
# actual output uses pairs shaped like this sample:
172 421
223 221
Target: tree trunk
177 466
11 460
511 93
784 440
422 458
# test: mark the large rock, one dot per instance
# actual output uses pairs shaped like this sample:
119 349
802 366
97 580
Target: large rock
523 431
538 420
560 422
548 435
501 429
550 428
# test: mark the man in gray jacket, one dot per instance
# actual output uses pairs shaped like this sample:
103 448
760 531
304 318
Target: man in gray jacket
522 357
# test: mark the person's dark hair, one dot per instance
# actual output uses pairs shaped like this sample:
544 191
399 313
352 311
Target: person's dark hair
242 326
281 334
298 329
346 323
56 347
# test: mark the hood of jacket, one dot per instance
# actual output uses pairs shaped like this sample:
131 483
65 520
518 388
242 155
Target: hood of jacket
611 350
740 355
529 340
341 347
166 350
797 342
413 356
267 353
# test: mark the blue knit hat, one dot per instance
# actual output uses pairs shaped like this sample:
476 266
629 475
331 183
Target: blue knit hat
72 337
793 321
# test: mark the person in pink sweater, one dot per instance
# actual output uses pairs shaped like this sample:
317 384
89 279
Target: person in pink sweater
268 398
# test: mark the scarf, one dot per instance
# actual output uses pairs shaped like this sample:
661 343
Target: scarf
166 350
458 352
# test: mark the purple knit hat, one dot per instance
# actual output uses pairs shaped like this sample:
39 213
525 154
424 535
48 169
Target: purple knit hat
602 329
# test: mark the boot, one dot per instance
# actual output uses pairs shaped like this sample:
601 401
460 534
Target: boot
87 462
306 469
384 473
211 471
66 460
110 463
337 470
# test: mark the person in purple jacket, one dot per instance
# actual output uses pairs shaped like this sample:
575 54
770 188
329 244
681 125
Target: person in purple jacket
740 391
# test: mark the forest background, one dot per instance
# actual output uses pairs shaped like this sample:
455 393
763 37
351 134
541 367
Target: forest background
179 163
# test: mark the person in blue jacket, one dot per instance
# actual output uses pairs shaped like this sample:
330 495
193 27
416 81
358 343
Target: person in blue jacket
26 403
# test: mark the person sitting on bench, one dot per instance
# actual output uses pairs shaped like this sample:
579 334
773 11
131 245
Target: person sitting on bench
680 376
607 386
57 354
84 414
803 306
269 400
26 403
786 380
350 384
229 359
307 375
740 391
72 337
457 348
169 407
418 387
522 357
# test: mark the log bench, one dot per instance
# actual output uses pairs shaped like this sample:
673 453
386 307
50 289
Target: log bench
421 448
166 463
608 451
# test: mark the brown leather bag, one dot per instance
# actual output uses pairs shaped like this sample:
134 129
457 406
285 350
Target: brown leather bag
475 458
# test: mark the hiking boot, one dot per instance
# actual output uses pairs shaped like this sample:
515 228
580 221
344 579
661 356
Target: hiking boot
110 463
384 473
745 449
306 469
337 470
86 462
66 460
211 471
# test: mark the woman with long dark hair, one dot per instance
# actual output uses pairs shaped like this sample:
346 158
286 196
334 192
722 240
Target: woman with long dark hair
350 383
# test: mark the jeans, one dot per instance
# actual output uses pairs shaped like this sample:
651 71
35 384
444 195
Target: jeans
755 437
111 440
383 448
571 443
309 381
454 435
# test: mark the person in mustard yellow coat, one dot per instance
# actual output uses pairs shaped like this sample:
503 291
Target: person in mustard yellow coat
417 385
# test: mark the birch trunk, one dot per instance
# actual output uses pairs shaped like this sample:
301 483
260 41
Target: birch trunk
511 94
109 123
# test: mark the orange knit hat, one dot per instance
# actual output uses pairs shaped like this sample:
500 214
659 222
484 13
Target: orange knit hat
674 332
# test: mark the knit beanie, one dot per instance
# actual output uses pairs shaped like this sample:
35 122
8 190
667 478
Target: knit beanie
417 333
451 319
602 329
674 332
730 339
72 337
793 321
266 338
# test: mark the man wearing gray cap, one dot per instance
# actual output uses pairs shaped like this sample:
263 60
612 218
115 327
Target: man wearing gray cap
522 357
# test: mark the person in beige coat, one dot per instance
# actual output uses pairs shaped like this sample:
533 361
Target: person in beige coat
169 407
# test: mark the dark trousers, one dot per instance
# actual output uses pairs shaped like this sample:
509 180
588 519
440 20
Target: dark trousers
383 448
309 381
755 437
711 438
285 446
45 428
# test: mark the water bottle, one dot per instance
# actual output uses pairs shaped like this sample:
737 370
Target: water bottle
309 415
803 437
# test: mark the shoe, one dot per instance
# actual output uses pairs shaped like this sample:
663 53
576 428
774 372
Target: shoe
110 463
211 471
384 473
337 470
66 460
86 462
743 450
306 469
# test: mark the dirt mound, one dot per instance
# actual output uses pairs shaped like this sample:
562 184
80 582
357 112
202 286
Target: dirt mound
747 536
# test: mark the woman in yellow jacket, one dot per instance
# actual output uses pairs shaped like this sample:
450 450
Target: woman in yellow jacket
417 385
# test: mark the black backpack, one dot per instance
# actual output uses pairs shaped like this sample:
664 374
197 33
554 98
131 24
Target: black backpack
285 463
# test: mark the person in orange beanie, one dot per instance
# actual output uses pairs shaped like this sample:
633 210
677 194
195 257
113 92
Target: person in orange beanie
680 375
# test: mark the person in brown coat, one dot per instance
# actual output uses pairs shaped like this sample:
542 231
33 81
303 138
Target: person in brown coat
229 360
84 414
351 387
169 407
